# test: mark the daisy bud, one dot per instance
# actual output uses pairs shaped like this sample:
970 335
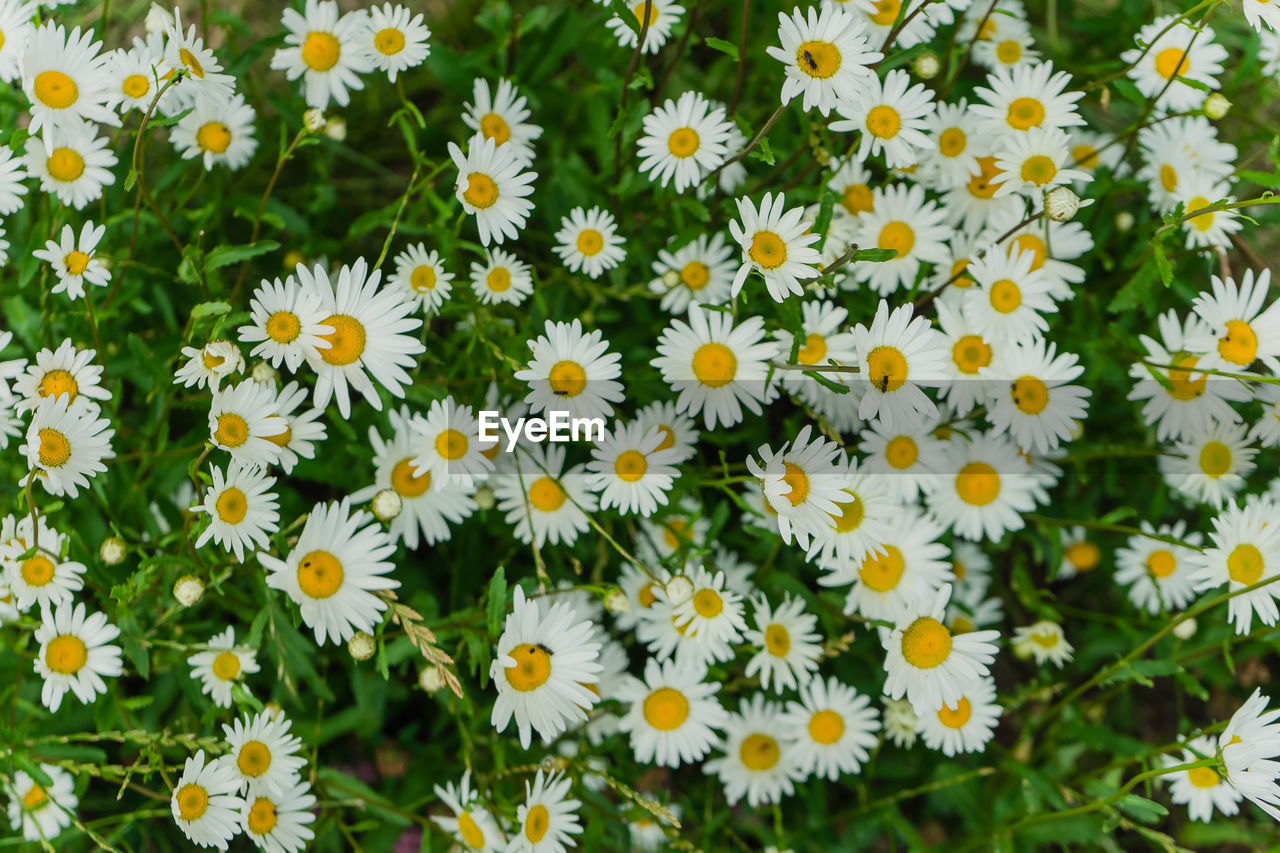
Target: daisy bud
386 505
615 601
158 20
1124 221
112 551
336 128
1185 630
313 120
484 497
273 710
823 156
679 588
188 590
429 679
361 646
552 763
1216 106
670 279
264 373
1061 204
926 66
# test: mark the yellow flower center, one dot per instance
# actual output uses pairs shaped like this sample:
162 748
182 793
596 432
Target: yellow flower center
232 506
254 758
389 41
954 718
708 603
714 365
546 495
970 353
55 450
984 184
695 275
498 280
952 142
666 709
189 60
232 431
815 347
346 341
857 198
1204 221
768 250
882 572
683 142
798 481
759 752
1085 156
320 574
819 59
630 465
957 268
978 484
1030 395
1203 777
638 11
226 666
668 438
1239 345
1008 51
897 236
1085 556
55 89
1005 296
65 165
567 379
321 51
926 643
481 191
536 823
57 382
262 816
214 137
1030 243
1161 563
1025 113
451 444
37 570
777 640
886 12
1215 459
495 127
34 798
423 279
470 831
193 802
532 667
135 86
901 452
883 121
887 368
1172 62
850 515
1038 170
283 327
590 242
1168 177
405 482
826 727
1183 388
1245 564
76 262
66 654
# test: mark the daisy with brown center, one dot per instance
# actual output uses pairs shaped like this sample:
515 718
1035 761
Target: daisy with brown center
422 277
324 49
672 714
1244 549
775 242
222 665
983 487
242 509
372 336
75 168
826 56
335 570
1159 574
204 801
74 260
1044 642
62 76
899 355
909 565
209 365
471 824
803 483
929 664
502 116
280 823
835 728
891 116
243 421
630 471
75 654
543 500
502 278
965 727
285 324
572 371
66 444
699 273
588 242
65 370
43 576
394 39
218 132
263 754
788 645
42 812
760 761
1210 466
493 186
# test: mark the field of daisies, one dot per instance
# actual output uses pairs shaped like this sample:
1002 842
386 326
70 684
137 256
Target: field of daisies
500 426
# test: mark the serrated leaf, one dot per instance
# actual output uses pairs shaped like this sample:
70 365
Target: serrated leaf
725 47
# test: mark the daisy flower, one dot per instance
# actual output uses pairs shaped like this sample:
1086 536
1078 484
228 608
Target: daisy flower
544 662
1200 789
970 353
66 443
75 654
1260 14
280 823
62 76
1044 642
1213 227
588 242
334 570
788 649
775 242
851 184
422 278
909 565
965 727
1159 574
1036 162
17 28
904 221
571 371
835 728
1244 549
971 206
492 186
133 74
1026 96
684 139
12 175
448 440
1239 329
659 16
242 421
679 435
185 51
221 665
44 577
303 431
1172 52
897 356
1031 399
75 168
711 617
325 50
955 143
1249 746
371 336
1211 466
881 15
863 519
1174 150
672 714
285 324
891 116
1079 555
471 824
501 278
1007 45
544 501
9 369
41 813
205 804
394 39
716 367
1007 302
501 116
700 272
630 471
802 482
242 509
1266 430
760 760
547 817
65 370
75 261
983 489
209 365
819 341
826 56
901 460
263 755
218 132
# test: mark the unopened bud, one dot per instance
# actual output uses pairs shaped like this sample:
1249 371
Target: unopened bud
823 156
484 497
264 373
1061 204
188 590
1216 105
1185 629
671 279
336 128
361 646
273 710
615 601
1124 221
429 679
313 120
926 66
679 588
112 551
386 505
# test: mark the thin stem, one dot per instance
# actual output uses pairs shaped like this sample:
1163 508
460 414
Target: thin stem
742 58
138 166
755 140
1110 528
395 223
1215 208
262 209
626 90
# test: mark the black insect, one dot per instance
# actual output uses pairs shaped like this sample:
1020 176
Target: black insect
546 651
559 392
884 384
808 58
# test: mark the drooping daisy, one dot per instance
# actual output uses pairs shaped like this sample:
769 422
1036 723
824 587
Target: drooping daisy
263 754
394 39
928 664
242 421
448 441
41 813
544 662
422 277
909 565
1210 466
1250 745
371 337
1244 549
700 272
803 483
203 77
66 443
716 367
1200 789
1159 574
222 665
891 116
340 559
471 824
74 260
572 372
787 642
62 76
775 242
1007 303
1171 53
835 728
75 168
12 175
898 356
760 761
679 435
280 823
654 17
1037 161
983 489
205 804
75 654
630 471
1032 399
826 56
326 50
501 278
547 817
1026 96
218 132
673 713
44 577
588 242
209 365
242 509
545 501
303 429
65 370
1240 330
493 186
1044 642
966 726
904 221
685 140
285 324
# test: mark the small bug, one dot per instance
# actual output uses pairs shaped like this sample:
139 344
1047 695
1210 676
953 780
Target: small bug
810 61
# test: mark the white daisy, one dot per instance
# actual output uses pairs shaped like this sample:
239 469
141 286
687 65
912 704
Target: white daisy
448 440
1026 96
1211 466
904 221
775 242
75 654
303 431
242 509
471 824
679 435
659 16
572 372
45 577
1159 574
1244 549
898 356
547 817
133 74
588 242
422 277
285 324
280 823
1030 398
205 804
1036 162
493 186
501 278
826 56
40 812
263 754
983 489
1009 298
66 444
222 665
12 175
62 76
684 139
1240 330
502 116
673 713
891 116
544 501
242 421
1043 642
209 365
75 168
699 272
835 728
903 460
803 483
1200 789
760 758
65 370
788 649
909 565
17 29
965 727
1172 52
865 515
75 261
394 39
630 471
218 132
325 50
203 77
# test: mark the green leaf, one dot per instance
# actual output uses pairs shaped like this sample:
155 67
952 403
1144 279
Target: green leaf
1143 671
1140 808
497 599
226 255
623 11
827 382
726 47
209 309
875 256
1263 179
1162 261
